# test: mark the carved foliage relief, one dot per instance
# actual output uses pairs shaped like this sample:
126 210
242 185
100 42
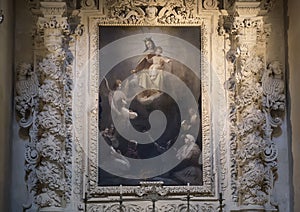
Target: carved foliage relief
153 12
257 101
44 102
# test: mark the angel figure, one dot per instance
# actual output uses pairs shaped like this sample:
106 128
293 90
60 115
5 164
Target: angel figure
118 101
118 104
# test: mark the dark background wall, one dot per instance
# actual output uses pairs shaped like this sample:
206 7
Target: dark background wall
293 23
6 76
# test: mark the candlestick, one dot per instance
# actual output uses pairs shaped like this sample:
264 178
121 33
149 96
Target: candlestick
1 16
188 197
121 199
221 201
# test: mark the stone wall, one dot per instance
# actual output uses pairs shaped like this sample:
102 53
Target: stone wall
6 74
276 50
23 54
294 98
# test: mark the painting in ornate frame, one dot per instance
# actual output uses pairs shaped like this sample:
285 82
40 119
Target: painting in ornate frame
153 68
124 51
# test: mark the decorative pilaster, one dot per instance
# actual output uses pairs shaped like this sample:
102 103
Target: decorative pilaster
54 117
257 98
44 103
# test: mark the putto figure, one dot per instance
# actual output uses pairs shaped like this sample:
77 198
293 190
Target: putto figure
151 15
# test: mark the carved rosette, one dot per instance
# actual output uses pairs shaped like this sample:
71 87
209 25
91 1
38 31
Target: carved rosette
257 97
210 4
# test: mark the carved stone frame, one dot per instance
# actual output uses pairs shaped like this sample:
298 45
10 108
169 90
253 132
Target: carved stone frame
209 167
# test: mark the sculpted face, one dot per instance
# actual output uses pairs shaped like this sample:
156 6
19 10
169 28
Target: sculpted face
151 12
276 68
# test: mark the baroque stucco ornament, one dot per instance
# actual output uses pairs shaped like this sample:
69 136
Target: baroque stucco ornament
44 104
26 93
157 12
257 101
147 208
57 174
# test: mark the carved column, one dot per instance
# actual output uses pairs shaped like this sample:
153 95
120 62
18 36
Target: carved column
257 98
54 118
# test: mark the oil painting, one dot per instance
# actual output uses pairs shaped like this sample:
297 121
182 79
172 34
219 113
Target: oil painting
150 105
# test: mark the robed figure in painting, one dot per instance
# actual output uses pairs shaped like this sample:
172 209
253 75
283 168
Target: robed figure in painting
150 70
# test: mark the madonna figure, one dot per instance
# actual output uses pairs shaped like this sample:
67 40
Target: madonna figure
151 68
